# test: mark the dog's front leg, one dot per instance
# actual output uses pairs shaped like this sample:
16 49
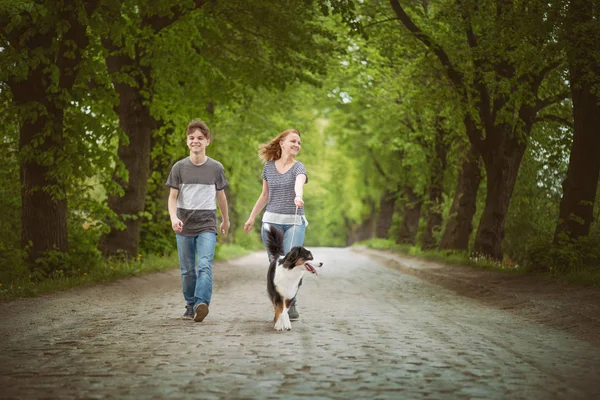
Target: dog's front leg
282 319
287 324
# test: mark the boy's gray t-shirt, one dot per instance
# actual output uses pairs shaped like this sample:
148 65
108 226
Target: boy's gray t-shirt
197 186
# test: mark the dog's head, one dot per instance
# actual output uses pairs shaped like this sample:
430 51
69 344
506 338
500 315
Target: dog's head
301 257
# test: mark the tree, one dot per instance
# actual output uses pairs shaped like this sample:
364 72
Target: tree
438 159
459 223
499 87
43 45
582 37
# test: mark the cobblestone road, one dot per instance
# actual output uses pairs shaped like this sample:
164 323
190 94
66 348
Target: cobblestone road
366 331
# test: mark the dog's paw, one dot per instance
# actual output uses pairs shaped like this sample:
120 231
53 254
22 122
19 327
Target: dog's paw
282 324
287 326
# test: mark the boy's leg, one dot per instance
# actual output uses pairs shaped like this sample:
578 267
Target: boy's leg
186 250
205 247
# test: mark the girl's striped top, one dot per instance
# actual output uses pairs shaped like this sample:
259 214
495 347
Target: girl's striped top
281 208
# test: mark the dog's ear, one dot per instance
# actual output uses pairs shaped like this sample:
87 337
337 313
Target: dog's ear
293 255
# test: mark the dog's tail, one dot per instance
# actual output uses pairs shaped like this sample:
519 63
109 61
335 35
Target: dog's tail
274 241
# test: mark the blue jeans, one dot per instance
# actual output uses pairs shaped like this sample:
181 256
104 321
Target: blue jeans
196 255
288 232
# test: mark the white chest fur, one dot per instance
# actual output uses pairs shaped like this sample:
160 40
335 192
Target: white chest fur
287 280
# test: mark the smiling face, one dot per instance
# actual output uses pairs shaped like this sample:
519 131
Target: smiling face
197 142
290 144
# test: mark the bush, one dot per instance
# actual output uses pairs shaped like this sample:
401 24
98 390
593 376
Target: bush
566 257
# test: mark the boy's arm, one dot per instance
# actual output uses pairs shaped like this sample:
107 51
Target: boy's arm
222 203
176 223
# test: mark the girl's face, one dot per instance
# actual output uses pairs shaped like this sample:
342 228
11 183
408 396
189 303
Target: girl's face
291 144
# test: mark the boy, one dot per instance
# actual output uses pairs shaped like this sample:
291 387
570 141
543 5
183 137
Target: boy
197 186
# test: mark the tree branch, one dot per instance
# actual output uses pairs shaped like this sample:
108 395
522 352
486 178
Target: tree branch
377 165
379 22
554 118
160 22
74 42
453 74
484 103
543 103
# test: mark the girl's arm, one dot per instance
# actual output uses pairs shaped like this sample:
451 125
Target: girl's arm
261 202
299 189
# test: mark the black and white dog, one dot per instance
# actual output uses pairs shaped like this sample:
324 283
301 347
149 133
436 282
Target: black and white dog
285 273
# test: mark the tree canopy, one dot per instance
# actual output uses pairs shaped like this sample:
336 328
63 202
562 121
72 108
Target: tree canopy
468 125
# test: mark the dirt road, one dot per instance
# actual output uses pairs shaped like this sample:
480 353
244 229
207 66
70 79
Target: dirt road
371 326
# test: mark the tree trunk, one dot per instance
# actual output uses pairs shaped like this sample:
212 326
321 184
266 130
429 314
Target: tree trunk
137 123
385 215
43 202
135 153
410 218
366 229
581 183
460 219
436 189
363 231
502 167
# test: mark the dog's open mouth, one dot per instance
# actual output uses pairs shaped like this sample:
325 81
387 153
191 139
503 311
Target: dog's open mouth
310 268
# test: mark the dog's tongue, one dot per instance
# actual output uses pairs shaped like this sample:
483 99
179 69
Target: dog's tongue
310 269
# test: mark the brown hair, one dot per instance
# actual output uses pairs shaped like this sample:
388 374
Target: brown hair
272 150
198 125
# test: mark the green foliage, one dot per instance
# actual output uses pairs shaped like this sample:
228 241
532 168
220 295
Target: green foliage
379 244
366 106
568 257
227 252
108 270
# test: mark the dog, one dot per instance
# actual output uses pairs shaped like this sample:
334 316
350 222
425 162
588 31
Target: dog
285 273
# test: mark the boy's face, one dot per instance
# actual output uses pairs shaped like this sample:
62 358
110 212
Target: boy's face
197 142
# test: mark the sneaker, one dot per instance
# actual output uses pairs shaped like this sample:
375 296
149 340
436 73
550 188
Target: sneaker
293 313
189 312
201 312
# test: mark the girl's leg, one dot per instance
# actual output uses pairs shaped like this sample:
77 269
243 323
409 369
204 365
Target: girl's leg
293 233
294 237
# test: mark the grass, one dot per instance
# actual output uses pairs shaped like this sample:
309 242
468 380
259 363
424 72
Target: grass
584 277
111 270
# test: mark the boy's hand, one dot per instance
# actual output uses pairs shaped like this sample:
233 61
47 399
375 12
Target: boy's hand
177 225
224 227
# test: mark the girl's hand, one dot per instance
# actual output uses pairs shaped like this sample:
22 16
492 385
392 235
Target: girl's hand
299 202
248 225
